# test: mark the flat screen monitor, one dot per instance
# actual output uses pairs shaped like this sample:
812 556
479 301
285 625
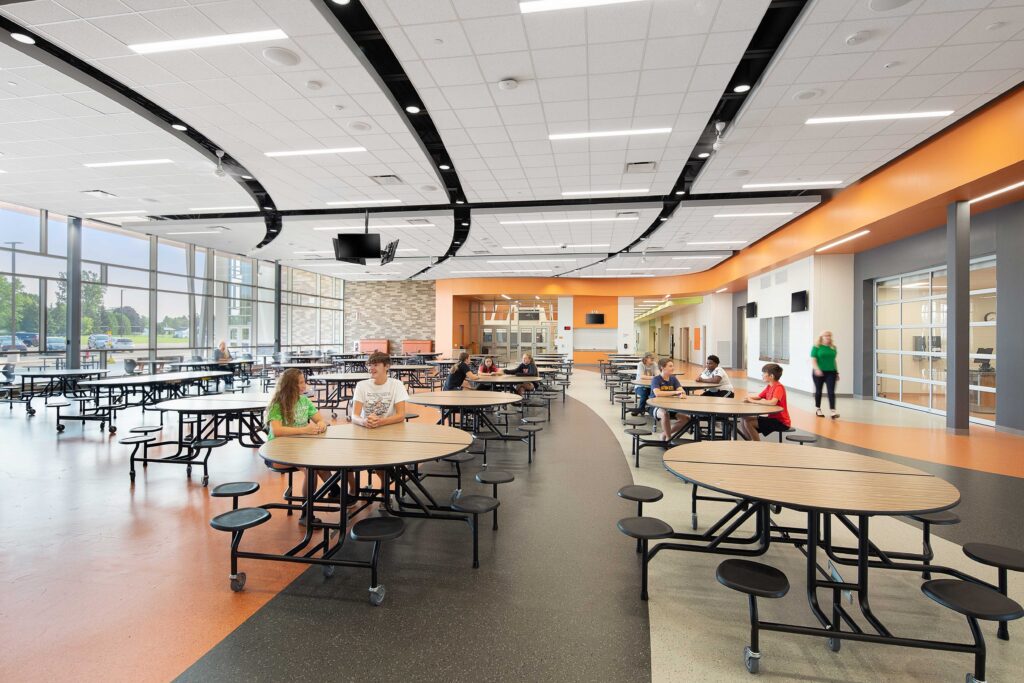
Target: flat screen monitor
357 248
752 309
388 255
525 315
595 318
798 301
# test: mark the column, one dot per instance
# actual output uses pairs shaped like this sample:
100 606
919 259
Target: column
958 256
153 302
73 351
277 307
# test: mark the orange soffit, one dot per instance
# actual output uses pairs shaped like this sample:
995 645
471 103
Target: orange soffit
981 153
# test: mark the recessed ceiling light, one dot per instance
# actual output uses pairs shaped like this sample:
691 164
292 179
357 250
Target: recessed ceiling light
997 192
519 270
245 207
208 41
459 201
880 117
845 239
114 213
608 133
571 220
137 162
341 2
412 109
575 193
797 183
528 6
178 126
195 232
723 289
247 177
360 202
557 246
721 242
445 167
382 226
741 88
268 208
22 38
465 224
312 152
752 215
611 276
680 191
649 268
703 155
536 260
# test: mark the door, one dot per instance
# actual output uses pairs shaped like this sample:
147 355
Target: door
663 336
739 360
684 344
703 355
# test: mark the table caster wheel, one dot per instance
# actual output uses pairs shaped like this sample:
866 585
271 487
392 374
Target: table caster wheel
31 411
206 480
693 521
334 415
834 644
376 595
131 475
60 428
751 660
238 582
188 471
328 570
113 429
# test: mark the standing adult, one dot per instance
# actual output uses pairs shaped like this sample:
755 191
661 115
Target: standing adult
826 373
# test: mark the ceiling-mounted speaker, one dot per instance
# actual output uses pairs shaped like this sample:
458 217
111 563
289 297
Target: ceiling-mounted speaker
281 56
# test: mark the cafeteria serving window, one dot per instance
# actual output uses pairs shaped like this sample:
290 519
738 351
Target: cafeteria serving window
910 340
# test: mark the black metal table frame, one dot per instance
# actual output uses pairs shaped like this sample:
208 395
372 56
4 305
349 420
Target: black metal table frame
448 414
333 394
55 385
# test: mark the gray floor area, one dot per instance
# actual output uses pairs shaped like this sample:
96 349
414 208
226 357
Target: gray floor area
554 598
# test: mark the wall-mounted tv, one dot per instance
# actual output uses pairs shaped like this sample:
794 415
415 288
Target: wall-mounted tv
357 248
799 301
595 318
752 309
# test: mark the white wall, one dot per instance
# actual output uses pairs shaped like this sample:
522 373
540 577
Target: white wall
713 313
626 337
829 283
565 344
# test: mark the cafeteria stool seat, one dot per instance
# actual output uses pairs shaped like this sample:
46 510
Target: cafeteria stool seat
234 490
195 447
494 477
927 520
485 437
145 429
58 403
636 421
974 601
410 416
641 495
136 441
457 459
475 506
788 430
636 433
1004 559
531 438
757 580
644 529
802 438
237 521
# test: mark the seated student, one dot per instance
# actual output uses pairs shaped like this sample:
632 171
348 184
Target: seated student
380 400
488 367
291 413
525 369
645 372
714 375
458 375
773 395
223 356
665 383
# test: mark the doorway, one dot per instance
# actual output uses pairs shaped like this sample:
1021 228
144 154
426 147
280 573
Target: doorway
739 360
684 343
663 337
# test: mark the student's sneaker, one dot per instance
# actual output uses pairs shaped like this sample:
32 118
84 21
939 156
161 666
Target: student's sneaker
835 415
818 412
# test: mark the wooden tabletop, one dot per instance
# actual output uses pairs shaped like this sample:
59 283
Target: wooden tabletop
811 478
362 448
465 398
160 378
340 377
58 373
221 403
505 379
712 405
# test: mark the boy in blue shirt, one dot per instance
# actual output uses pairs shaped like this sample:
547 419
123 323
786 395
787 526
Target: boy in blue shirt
665 383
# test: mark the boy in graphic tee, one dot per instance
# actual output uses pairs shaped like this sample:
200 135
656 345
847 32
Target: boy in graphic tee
380 400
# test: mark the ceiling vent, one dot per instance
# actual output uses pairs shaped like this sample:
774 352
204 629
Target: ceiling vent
387 180
481 252
418 221
100 194
627 214
641 167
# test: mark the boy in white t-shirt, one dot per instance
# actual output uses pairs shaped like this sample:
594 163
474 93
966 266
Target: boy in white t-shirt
380 400
715 377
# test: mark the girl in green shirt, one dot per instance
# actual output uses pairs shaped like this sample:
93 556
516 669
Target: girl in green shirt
823 358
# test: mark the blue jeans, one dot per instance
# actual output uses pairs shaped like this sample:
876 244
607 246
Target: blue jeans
642 393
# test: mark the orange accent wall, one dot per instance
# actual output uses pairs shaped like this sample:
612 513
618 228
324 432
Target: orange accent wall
609 305
459 307
588 357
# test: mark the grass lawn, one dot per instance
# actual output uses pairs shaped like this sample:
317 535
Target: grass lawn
141 341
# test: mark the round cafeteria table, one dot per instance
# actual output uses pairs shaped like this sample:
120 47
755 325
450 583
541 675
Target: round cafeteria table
306 368
411 374
822 483
336 388
468 401
714 407
56 382
506 381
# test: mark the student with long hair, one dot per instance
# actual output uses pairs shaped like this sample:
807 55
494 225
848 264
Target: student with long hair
291 413
826 372
525 369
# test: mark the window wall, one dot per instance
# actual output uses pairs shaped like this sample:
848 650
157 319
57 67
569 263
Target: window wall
910 340
146 296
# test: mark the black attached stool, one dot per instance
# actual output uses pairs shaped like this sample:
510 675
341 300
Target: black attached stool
530 437
457 460
644 529
927 520
974 601
145 429
475 506
374 530
237 521
494 477
136 441
1003 559
801 438
234 491
640 494
757 581
635 433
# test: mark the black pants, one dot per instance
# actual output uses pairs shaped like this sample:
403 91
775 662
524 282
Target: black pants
827 378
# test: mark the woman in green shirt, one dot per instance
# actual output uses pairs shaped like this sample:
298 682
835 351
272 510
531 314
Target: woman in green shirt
291 413
823 358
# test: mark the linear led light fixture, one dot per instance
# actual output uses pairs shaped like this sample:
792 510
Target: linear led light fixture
647 268
608 276
720 242
845 239
528 6
796 183
506 297
723 289
996 193
114 213
208 41
577 193
753 215
132 219
315 251
537 260
382 226
408 249
558 246
314 152
358 202
608 133
491 272
249 207
572 220
879 117
136 162
698 258
196 232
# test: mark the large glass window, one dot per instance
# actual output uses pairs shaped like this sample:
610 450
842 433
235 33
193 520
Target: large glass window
910 340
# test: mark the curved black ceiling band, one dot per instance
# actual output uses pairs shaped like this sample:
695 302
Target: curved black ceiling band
81 71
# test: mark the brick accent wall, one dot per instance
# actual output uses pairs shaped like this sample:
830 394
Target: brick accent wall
394 310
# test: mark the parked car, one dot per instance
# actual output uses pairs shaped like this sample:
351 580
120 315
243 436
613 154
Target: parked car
100 341
56 344
6 344
123 343
28 338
